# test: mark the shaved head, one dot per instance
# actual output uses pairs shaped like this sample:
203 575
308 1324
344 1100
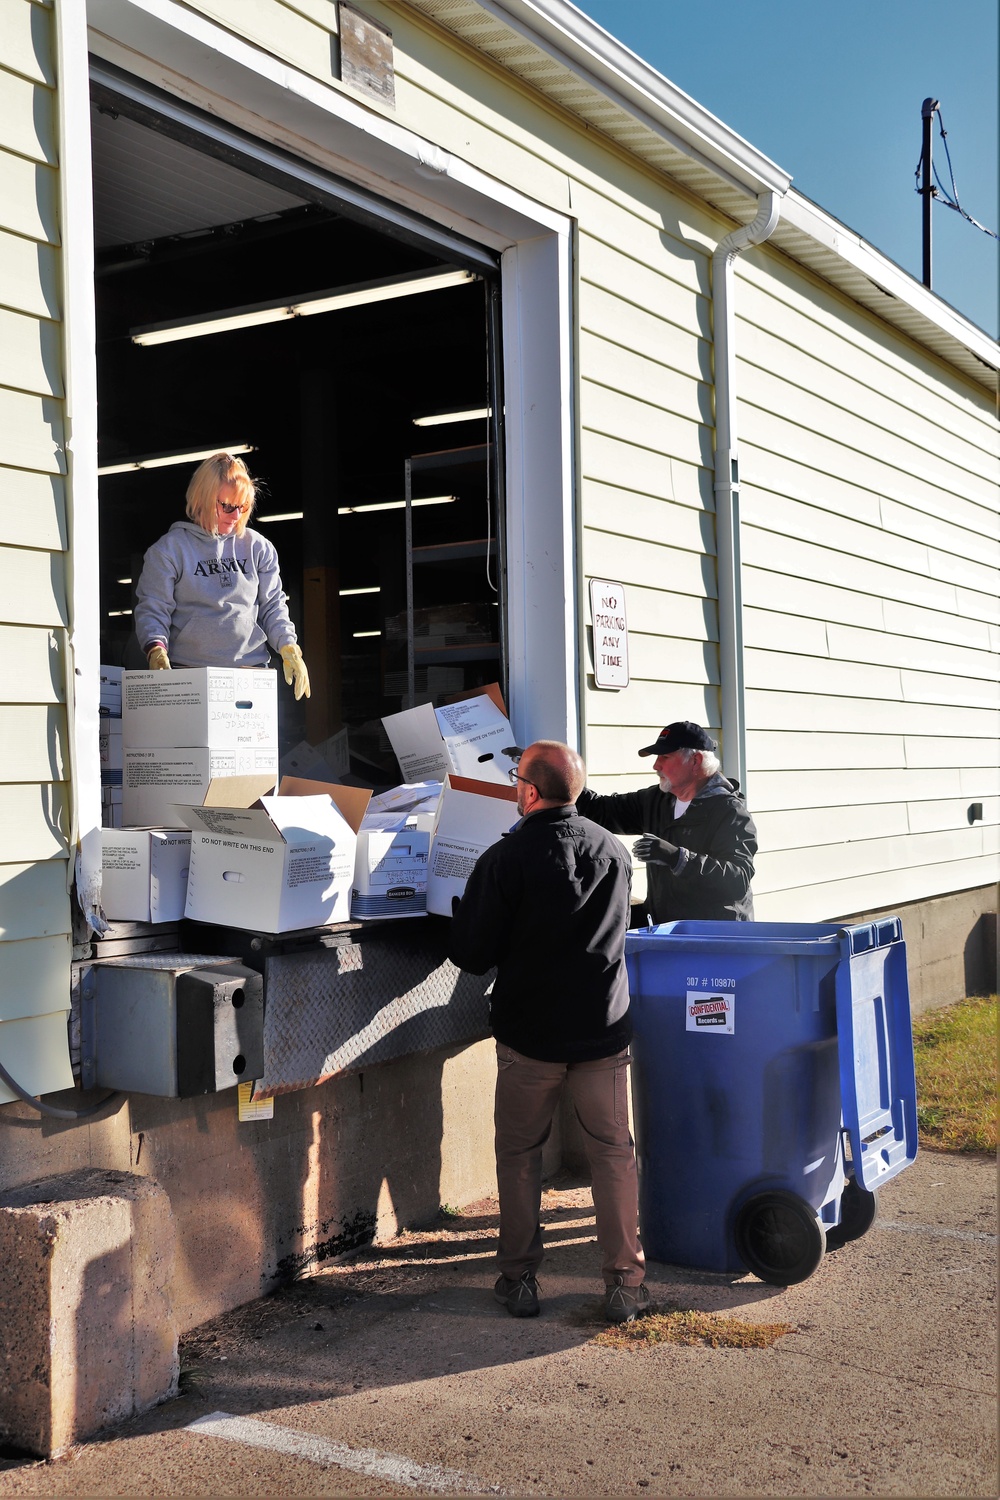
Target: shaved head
557 771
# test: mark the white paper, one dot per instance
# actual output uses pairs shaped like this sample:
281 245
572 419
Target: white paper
417 744
396 808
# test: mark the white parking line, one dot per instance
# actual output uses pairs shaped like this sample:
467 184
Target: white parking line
935 1232
391 1468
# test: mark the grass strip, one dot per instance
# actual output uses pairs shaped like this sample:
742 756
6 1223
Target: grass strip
682 1325
955 1051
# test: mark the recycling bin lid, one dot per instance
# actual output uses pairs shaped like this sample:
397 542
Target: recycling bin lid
877 1081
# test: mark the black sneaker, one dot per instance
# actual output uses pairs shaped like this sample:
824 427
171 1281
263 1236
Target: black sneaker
519 1297
623 1304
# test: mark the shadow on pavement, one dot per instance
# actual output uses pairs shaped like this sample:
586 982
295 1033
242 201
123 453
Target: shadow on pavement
418 1308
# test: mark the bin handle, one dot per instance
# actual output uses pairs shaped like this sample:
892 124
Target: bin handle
867 935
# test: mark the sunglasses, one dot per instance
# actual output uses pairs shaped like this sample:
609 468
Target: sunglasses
229 510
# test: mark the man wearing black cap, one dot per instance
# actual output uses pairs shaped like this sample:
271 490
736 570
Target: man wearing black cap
698 840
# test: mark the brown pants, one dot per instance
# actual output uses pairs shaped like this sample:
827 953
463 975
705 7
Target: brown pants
526 1098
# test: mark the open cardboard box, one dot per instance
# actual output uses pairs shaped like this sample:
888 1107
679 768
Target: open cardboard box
273 863
471 816
468 737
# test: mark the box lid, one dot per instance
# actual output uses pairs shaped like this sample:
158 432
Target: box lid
238 791
232 822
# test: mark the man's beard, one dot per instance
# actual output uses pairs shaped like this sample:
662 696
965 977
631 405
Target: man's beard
666 785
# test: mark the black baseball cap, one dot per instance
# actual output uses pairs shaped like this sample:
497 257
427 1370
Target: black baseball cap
681 736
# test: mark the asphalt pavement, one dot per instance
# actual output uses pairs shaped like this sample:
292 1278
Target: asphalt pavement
396 1373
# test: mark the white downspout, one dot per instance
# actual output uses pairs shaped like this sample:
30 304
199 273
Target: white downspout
727 484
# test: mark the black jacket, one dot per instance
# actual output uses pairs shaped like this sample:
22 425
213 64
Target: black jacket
548 906
717 832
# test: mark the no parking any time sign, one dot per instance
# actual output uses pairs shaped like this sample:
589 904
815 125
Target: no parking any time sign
607 610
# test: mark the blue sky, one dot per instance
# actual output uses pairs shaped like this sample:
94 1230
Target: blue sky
832 93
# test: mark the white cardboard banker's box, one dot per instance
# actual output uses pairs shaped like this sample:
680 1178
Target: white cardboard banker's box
224 708
471 816
273 864
145 874
390 872
156 783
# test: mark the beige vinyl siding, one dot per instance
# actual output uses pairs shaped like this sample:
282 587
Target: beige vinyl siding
299 32
870 508
34 816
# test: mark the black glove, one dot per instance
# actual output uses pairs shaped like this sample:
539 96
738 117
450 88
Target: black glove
654 851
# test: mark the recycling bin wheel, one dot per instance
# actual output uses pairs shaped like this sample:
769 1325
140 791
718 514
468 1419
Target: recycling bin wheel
779 1237
858 1212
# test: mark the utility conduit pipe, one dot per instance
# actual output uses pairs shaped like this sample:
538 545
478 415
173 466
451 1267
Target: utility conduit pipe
727 482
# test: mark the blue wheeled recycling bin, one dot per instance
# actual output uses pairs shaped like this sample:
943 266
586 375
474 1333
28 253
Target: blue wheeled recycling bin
773 1088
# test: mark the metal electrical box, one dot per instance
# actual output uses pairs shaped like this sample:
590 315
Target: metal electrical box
173 1025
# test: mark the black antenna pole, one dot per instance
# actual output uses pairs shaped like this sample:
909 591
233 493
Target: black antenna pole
926 189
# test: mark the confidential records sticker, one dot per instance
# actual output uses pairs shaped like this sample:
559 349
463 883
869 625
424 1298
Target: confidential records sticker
711 1013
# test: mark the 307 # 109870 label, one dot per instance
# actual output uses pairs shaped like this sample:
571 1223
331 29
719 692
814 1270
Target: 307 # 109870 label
711 1007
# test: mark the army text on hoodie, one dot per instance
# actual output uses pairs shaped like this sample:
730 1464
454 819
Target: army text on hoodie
213 601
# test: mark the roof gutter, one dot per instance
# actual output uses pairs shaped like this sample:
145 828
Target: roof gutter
576 41
727 484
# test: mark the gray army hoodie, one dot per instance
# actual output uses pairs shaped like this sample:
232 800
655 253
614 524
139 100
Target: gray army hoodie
213 601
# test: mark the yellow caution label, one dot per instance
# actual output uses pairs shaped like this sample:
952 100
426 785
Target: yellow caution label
249 1108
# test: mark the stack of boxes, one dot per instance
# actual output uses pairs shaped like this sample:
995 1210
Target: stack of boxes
194 830
176 731
182 730
111 747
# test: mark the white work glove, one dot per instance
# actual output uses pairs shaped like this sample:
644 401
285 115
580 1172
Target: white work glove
158 659
296 671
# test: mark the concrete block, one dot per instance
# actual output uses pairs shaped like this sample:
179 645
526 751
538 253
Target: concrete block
89 1336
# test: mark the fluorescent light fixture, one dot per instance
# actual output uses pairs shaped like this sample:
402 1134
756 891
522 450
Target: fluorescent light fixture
458 414
374 589
285 515
334 300
165 460
360 635
115 613
355 510
123 580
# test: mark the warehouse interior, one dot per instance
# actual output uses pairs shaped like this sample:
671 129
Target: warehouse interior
329 406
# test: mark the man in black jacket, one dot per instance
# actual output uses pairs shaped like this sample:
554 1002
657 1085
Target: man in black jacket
548 907
698 840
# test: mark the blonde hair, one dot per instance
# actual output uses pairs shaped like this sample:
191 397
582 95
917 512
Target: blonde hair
203 491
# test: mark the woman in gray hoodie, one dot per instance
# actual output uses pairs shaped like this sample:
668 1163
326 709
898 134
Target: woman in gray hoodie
210 593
